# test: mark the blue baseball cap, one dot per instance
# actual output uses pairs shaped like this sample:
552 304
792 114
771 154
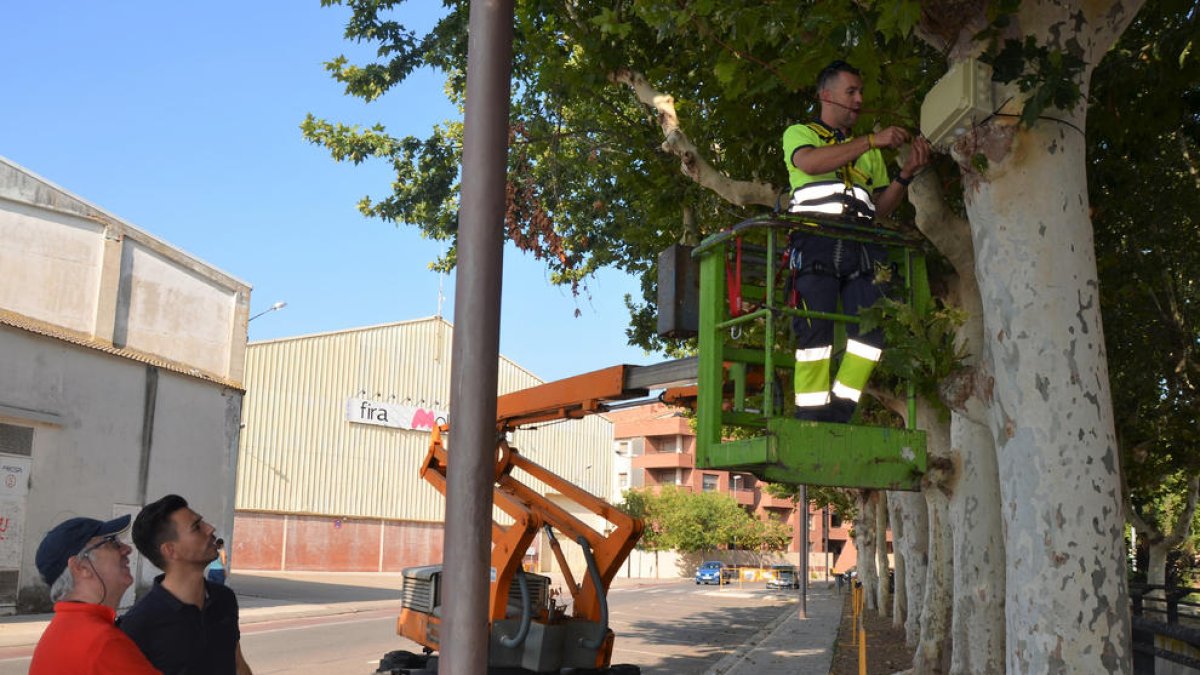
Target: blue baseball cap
68 538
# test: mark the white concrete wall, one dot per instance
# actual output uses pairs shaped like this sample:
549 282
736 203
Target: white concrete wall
87 410
68 266
57 260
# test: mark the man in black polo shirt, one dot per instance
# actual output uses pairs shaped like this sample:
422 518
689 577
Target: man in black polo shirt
185 624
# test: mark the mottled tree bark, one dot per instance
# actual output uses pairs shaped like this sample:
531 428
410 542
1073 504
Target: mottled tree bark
883 590
864 539
911 518
974 503
933 650
1066 599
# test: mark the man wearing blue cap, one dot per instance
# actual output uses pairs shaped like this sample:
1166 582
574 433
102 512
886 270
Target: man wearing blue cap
87 567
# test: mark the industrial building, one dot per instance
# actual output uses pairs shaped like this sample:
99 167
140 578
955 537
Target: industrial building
120 375
336 427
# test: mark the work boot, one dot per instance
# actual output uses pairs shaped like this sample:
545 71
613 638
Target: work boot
841 410
816 414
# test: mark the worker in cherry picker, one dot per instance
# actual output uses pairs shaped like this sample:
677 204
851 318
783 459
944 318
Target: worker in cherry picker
839 176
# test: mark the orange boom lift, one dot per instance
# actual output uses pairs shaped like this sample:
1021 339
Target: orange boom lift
528 630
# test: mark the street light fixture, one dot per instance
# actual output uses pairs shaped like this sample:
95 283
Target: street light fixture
277 306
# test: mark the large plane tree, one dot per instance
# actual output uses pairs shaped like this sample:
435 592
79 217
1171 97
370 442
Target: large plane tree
640 124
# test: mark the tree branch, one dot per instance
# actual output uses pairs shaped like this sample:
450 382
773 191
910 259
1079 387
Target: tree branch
946 230
692 164
1183 523
1135 519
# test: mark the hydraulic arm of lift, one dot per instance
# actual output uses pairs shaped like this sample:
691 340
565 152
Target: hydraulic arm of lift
583 639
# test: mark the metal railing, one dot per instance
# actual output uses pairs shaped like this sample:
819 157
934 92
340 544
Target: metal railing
1166 625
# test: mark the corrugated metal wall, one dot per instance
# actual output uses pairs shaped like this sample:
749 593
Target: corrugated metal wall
299 454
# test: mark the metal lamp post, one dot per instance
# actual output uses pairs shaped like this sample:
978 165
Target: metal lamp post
734 482
802 526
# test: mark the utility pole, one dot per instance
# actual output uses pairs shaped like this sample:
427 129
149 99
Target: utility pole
476 349
825 546
802 526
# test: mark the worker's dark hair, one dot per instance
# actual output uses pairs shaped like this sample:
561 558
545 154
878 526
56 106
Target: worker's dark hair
829 72
153 527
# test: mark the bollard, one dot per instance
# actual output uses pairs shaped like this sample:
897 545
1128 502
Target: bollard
853 616
862 652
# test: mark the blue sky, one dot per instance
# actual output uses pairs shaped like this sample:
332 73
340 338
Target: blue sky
183 119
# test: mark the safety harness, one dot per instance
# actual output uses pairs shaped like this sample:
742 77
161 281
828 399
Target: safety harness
841 198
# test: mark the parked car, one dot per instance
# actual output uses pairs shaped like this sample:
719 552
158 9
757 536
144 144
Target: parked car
783 576
711 572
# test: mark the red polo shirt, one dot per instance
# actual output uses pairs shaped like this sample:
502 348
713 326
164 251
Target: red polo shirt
81 638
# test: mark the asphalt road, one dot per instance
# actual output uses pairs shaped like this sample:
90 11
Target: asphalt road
672 628
668 629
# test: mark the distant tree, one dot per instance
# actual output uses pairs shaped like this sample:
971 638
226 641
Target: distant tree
640 504
1144 183
693 522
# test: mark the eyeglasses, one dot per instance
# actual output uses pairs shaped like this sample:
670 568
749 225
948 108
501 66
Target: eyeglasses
113 540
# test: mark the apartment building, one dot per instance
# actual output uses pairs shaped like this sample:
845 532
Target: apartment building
654 446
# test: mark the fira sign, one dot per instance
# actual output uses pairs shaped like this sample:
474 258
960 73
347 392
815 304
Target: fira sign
396 416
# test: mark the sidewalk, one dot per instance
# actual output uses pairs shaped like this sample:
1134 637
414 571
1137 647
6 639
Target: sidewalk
785 646
271 596
789 645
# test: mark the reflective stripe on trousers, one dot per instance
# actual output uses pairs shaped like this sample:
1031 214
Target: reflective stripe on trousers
811 382
857 364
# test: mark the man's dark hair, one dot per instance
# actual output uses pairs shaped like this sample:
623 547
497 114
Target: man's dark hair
153 526
829 72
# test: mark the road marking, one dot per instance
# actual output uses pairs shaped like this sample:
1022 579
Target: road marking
732 594
299 623
672 654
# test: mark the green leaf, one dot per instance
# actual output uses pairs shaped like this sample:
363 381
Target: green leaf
726 70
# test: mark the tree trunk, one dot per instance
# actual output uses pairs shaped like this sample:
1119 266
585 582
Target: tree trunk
1156 575
883 590
913 521
864 539
899 590
1066 599
899 558
933 650
978 616
1052 417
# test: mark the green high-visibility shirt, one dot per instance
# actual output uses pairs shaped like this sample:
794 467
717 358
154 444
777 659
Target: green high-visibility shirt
868 171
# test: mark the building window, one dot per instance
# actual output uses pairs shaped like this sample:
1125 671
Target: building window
623 481
16 440
835 520
623 448
710 482
667 444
